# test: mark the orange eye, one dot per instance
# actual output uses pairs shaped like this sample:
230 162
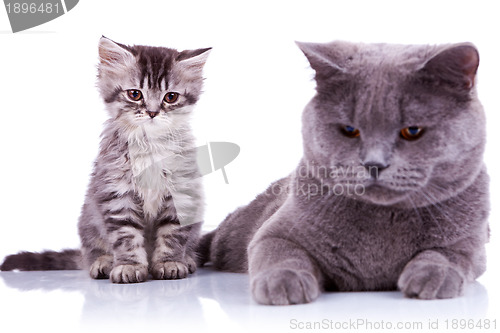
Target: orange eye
350 131
134 94
412 133
171 97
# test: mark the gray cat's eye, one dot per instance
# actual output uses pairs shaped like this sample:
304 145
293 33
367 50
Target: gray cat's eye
411 133
350 131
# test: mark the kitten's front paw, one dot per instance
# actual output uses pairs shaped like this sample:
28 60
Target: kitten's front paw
173 269
285 286
426 280
129 273
101 268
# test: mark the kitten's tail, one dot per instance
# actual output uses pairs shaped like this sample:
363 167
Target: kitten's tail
44 261
203 248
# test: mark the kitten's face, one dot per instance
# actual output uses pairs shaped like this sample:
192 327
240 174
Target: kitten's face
394 124
152 88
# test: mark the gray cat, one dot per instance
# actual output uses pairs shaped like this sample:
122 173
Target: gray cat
144 204
391 191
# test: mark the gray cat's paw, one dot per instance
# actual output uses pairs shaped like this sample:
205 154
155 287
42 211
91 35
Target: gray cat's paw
285 286
129 273
426 280
191 264
171 270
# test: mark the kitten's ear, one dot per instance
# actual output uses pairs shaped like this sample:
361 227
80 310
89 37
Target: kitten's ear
456 67
325 59
113 54
193 60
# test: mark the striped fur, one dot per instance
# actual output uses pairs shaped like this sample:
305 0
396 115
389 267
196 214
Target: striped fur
144 205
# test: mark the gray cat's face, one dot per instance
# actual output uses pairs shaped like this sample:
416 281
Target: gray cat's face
394 124
151 88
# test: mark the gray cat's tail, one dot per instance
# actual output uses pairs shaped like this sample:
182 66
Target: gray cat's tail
203 248
44 261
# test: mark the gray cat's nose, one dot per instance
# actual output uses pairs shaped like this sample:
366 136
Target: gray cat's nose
375 168
152 114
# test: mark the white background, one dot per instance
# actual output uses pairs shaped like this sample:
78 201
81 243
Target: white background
257 85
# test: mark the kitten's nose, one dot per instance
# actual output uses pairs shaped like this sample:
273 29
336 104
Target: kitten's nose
152 114
374 168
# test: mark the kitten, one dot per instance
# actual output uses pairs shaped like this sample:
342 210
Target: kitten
391 191
144 204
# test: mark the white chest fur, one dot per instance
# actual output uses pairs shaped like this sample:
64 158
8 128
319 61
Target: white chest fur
152 161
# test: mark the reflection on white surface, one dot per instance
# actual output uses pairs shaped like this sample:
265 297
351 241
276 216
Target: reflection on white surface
208 301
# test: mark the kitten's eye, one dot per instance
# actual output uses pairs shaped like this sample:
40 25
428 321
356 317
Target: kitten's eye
171 97
350 131
412 133
134 95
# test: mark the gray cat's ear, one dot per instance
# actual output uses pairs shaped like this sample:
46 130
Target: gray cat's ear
325 59
193 60
455 67
113 54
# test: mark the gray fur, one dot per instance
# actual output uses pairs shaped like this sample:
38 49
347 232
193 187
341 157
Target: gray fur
144 204
374 211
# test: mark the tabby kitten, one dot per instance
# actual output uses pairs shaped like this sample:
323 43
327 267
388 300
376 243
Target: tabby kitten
144 204
391 191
